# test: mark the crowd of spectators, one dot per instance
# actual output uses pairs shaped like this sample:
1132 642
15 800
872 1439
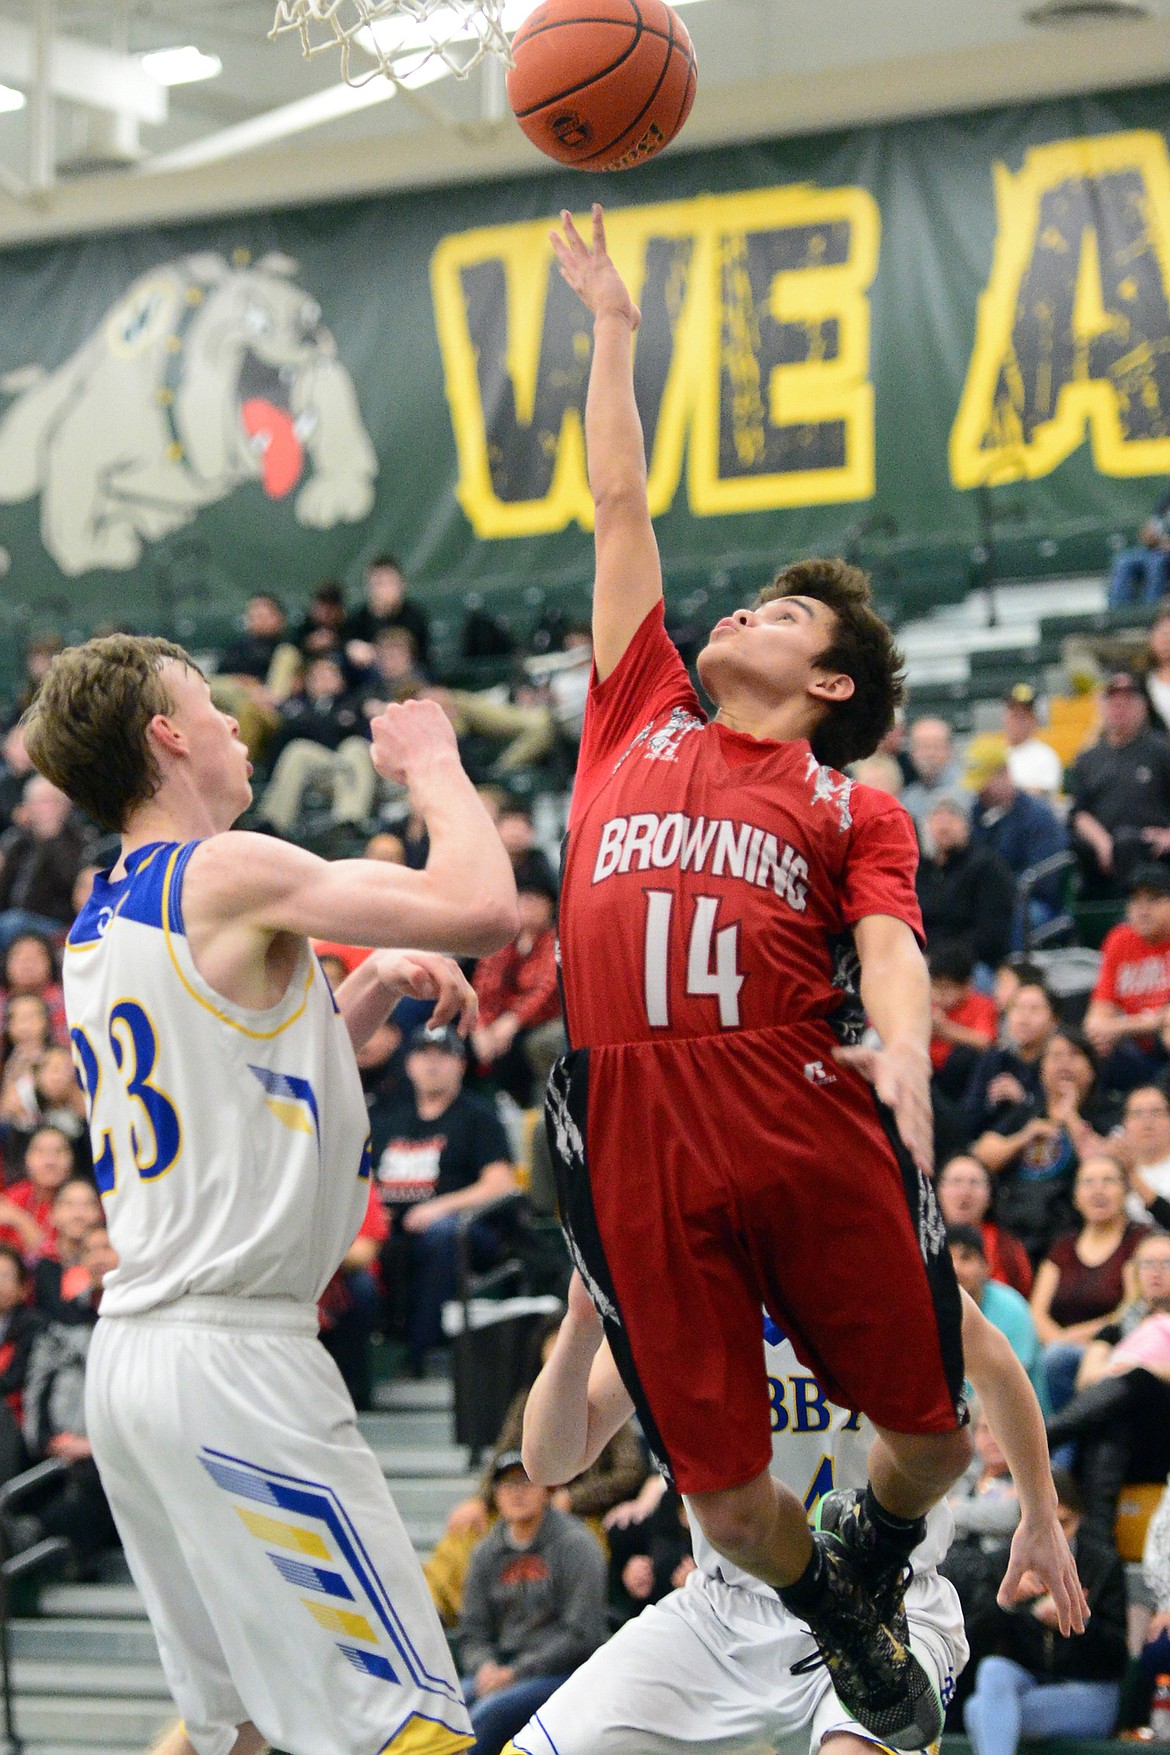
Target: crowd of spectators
1052 1113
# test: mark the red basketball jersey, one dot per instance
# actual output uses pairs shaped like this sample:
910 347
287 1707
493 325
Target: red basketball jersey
712 879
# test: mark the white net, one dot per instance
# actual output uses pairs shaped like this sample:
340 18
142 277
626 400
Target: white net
408 41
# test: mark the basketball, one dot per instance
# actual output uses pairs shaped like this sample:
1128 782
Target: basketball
602 84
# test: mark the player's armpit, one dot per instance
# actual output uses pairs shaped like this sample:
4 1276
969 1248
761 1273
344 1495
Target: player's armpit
239 880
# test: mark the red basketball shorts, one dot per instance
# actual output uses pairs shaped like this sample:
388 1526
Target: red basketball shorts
702 1179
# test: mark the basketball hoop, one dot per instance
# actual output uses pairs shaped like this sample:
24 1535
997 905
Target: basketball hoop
408 41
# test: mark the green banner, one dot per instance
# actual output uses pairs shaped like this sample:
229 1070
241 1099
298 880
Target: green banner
909 342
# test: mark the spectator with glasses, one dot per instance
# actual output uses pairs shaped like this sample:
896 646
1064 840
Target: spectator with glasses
1143 1146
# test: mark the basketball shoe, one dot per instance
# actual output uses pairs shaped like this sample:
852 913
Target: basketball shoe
858 1619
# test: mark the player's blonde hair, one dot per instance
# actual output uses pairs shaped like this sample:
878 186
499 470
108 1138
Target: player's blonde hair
861 647
86 728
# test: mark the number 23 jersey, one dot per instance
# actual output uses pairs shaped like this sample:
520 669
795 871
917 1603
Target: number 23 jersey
712 879
229 1145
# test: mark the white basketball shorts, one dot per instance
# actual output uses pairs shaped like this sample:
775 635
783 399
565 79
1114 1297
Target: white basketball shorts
276 1572
711 1668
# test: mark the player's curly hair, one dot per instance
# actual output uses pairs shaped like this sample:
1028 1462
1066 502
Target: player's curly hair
862 647
86 727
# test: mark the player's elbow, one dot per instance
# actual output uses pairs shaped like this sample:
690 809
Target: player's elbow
619 505
493 922
540 1468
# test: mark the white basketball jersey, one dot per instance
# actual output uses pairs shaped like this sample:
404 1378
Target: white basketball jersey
816 1446
230 1146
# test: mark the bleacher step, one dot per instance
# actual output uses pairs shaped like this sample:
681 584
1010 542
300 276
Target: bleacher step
99 1677
38 1748
85 1639
113 1601
422 1463
45 1719
421 1502
414 1395
424 1536
421 1428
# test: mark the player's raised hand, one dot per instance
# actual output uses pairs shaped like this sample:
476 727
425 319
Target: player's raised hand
426 975
407 733
590 272
900 1074
1041 1556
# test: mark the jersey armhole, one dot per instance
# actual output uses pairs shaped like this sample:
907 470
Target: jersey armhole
174 885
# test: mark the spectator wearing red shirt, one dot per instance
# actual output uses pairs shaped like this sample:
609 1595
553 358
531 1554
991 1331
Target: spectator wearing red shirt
964 1194
26 1210
964 1026
351 1304
1129 1013
962 1018
350 957
60 1275
517 987
18 1329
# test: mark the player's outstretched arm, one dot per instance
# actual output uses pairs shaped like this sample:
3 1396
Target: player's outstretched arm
578 1401
1013 1413
895 990
628 580
464 901
366 998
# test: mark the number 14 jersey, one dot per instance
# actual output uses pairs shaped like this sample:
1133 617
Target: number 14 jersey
712 879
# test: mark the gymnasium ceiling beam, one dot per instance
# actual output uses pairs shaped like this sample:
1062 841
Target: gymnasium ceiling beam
1042 66
82 73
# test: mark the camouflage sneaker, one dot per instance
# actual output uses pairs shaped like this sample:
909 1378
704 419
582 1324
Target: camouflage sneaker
862 1635
841 1514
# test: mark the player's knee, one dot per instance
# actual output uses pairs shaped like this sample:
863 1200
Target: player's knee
736 1521
955 1453
933 1459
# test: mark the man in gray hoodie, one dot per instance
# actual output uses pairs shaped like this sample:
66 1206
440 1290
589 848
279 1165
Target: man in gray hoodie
533 1607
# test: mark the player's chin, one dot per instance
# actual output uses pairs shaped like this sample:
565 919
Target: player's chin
711 666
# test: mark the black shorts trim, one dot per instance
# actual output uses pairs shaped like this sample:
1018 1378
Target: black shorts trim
566 1115
931 1231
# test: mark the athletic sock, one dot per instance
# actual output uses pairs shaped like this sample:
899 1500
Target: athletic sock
897 1535
806 1591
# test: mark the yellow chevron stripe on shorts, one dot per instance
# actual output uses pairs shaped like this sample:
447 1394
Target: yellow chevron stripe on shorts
423 1736
283 1535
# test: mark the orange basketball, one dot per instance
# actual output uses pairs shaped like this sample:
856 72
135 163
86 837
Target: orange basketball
602 84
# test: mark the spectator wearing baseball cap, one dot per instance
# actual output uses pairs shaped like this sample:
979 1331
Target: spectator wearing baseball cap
1120 789
1021 829
1035 765
533 1607
1129 1012
438 1154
